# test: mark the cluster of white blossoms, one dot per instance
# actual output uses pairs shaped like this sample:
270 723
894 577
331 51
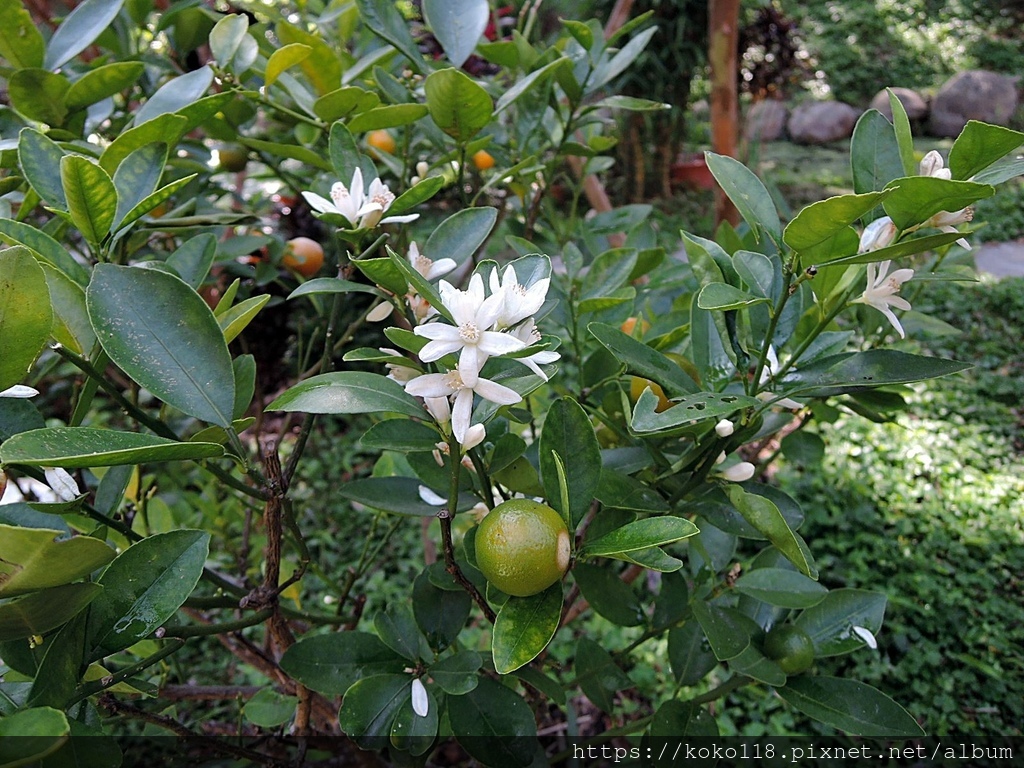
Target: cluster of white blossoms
361 208
484 325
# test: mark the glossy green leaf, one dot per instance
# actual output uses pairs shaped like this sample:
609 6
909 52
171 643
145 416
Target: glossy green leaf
820 223
904 137
640 534
193 259
568 432
61 666
679 719
494 725
830 623
291 151
331 664
78 31
165 128
234 321
39 612
533 80
17 415
524 627
394 494
269 709
176 93
1001 172
412 732
400 435
348 392
21 43
608 595
456 674
31 559
850 706
396 627
597 674
40 160
385 21
369 708
137 177
416 194
777 586
45 247
747 193
978 146
226 37
653 559
441 613
633 104
722 296
163 335
762 513
874 153
284 58
343 102
906 247
865 370
39 95
103 82
25 314
643 360
458 25
344 153
687 411
458 105
31 734
620 61
756 665
144 587
331 285
724 629
322 68
91 196
916 198
620 491
90 447
460 235
689 653
609 273
388 116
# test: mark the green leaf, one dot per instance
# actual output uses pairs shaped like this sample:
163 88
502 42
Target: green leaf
31 734
344 154
534 79
851 706
978 146
632 104
137 177
284 58
331 285
39 95
400 435
385 21
457 25
234 321
690 656
418 193
389 116
904 138
322 68
91 196
830 623
597 674
819 224
165 128
144 587
610 69
458 105
640 534
150 202
331 664
440 613
756 665
874 153
569 433
1001 172
45 610
394 494
916 198
163 335
411 732
494 725
193 259
72 447
722 296
40 160
461 234
61 666
226 36
844 373
45 247
777 586
175 94
524 627
397 628
643 360
25 314
703 406
20 42
609 272
678 719
346 101
269 709
724 629
103 82
348 392
31 559
905 247
291 151
762 513
747 193
78 31
456 674
620 491
608 595
369 708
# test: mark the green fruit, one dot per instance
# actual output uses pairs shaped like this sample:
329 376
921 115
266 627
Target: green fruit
791 648
522 547
232 158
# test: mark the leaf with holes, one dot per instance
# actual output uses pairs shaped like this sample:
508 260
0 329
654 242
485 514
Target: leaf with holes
685 412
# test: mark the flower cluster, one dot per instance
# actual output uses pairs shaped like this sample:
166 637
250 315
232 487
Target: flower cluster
932 165
485 325
361 209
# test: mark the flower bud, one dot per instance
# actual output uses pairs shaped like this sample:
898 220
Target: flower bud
724 428
878 234
422 169
739 473
932 165
947 219
439 408
473 437
381 312
866 637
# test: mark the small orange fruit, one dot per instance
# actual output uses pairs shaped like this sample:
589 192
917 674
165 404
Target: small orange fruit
637 385
303 255
628 326
483 160
522 547
381 140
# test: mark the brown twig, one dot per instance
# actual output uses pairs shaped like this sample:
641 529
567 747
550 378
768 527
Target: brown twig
208 692
453 567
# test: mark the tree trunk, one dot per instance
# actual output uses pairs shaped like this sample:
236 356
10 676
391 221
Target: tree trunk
723 40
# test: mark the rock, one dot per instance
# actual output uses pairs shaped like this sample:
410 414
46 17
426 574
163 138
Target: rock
973 95
912 101
766 121
819 122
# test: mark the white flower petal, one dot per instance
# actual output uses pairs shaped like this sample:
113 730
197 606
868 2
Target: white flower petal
420 702
400 219
724 428
431 498
495 343
866 637
62 483
739 473
439 268
19 390
461 414
435 350
381 312
496 393
431 385
320 204
473 437
439 408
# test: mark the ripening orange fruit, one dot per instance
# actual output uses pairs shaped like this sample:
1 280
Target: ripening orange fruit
629 325
483 160
522 547
381 140
303 255
637 385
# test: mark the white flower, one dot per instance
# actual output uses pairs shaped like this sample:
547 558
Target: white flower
878 234
882 289
19 390
399 371
946 221
431 498
452 383
420 702
62 483
771 367
361 209
724 428
430 269
866 637
739 473
439 408
474 436
474 315
528 334
421 308
932 165
518 302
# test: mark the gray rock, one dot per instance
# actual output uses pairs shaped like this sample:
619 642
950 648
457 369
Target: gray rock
766 121
820 122
913 102
973 95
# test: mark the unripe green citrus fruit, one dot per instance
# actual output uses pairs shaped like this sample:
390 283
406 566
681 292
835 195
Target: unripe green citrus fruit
522 547
232 158
791 648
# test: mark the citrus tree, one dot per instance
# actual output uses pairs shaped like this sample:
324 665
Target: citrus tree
584 415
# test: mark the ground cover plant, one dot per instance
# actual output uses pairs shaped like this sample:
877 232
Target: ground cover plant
365 233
